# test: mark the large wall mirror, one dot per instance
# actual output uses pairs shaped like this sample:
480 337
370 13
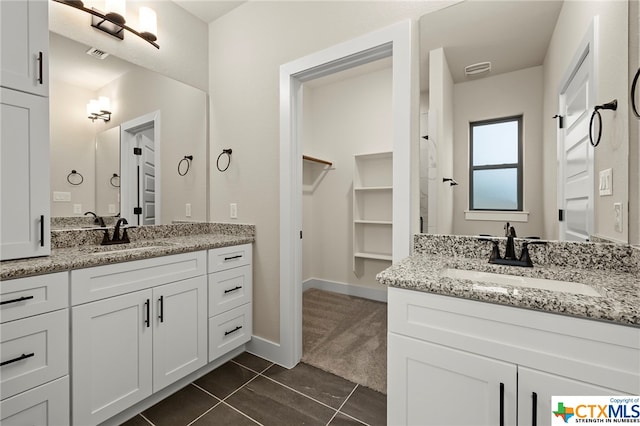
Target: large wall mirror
531 46
130 161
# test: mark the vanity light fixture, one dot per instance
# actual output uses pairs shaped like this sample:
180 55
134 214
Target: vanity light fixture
113 21
99 109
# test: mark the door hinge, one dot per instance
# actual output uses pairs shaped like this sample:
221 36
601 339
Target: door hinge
137 210
560 121
300 234
137 151
561 215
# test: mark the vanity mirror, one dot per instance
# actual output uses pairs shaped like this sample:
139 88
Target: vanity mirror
531 47
145 106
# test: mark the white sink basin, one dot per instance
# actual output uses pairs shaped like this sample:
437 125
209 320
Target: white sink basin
517 281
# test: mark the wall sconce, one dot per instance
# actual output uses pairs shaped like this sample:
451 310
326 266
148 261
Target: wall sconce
113 20
99 109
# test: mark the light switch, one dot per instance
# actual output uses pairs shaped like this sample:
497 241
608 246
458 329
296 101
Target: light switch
61 196
606 182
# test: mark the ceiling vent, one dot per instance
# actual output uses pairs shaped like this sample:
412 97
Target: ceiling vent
97 53
479 68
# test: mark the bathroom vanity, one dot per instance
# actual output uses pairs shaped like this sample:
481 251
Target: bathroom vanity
482 351
106 329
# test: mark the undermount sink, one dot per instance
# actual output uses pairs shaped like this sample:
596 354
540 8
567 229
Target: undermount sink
130 247
518 281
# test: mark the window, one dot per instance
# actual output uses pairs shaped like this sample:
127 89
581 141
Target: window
495 172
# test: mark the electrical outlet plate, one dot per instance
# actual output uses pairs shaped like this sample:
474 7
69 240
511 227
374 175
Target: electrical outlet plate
617 217
233 211
187 210
77 209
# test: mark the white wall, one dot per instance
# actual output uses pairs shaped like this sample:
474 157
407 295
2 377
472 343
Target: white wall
611 83
634 126
347 117
72 146
441 115
515 93
183 53
247 47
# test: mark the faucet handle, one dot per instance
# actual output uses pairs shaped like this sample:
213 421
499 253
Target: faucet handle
495 251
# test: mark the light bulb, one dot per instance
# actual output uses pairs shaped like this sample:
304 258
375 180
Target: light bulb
148 23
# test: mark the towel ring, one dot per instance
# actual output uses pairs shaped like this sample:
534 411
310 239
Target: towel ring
633 94
224 151
75 173
115 176
613 105
187 159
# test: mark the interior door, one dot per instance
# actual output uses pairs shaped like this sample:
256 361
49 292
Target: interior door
575 155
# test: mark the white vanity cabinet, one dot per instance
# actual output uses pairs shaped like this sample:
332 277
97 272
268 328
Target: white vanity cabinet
24 127
137 327
34 350
230 298
456 361
24 50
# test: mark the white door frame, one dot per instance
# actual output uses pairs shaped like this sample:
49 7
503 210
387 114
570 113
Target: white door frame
587 51
398 41
128 131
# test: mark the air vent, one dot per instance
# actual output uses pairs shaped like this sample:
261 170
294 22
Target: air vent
97 53
479 68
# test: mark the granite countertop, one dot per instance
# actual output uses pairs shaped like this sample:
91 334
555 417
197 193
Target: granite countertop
160 242
620 301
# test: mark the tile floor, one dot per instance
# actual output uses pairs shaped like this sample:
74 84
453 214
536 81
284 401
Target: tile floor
249 390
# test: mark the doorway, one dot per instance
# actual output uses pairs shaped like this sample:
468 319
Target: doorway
575 154
395 41
140 170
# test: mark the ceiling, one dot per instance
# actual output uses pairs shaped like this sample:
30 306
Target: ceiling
512 35
208 11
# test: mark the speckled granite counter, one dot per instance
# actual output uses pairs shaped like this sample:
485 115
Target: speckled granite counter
76 249
612 270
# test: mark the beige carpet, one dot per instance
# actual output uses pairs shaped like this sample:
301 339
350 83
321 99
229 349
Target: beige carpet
346 336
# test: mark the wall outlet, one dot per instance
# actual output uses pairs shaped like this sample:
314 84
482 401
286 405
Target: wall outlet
187 210
617 217
233 211
606 182
77 209
61 196
111 208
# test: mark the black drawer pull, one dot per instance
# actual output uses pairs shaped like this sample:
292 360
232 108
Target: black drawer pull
232 289
501 404
41 230
19 299
226 333
237 256
40 66
161 315
20 358
146 321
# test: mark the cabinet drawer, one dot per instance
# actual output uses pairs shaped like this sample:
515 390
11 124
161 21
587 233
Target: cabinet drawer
112 280
35 350
229 330
229 289
25 297
229 257
45 405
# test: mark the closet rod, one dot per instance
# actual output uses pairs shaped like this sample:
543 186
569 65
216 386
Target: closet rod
317 160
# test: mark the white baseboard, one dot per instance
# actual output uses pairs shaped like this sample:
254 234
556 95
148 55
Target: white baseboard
271 351
371 293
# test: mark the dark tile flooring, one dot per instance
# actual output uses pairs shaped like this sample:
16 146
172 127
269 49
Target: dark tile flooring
249 390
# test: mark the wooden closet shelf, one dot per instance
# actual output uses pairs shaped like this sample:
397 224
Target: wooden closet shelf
317 160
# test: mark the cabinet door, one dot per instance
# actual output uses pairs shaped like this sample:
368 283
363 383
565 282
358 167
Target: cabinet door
24 40
537 410
429 384
24 158
111 363
180 330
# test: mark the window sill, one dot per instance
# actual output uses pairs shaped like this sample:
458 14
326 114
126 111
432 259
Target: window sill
496 216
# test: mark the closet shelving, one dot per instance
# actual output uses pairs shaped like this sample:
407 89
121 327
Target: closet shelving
372 208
